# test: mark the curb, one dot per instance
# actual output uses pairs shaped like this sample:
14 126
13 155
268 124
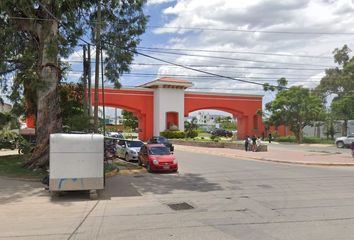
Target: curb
301 163
277 161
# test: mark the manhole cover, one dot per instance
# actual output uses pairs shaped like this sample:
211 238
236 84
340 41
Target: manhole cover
180 206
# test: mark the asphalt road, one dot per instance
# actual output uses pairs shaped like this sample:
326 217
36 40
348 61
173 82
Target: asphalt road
308 147
229 199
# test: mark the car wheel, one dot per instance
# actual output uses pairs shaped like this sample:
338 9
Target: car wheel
148 167
127 157
340 144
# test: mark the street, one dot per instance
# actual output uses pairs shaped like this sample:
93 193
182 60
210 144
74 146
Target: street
212 197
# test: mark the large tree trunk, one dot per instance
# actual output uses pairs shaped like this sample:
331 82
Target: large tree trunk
48 118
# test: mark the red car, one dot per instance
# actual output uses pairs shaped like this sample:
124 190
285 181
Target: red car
157 157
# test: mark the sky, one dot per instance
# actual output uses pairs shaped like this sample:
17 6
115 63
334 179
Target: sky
258 41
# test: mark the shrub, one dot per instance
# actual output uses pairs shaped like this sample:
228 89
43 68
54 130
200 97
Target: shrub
172 134
286 139
214 138
191 134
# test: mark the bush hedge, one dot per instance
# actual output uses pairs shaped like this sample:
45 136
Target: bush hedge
305 140
172 134
192 134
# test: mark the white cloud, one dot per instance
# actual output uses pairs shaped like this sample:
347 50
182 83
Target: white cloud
304 16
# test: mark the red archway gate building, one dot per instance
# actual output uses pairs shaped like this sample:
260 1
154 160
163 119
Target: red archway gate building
164 102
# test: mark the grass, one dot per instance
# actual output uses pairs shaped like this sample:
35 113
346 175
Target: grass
11 166
305 140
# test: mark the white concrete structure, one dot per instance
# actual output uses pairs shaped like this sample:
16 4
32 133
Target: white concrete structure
310 131
76 162
168 99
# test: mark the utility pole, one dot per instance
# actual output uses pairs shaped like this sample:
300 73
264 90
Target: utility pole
89 80
97 69
84 79
102 87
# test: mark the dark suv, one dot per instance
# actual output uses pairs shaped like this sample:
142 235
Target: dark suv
221 133
161 140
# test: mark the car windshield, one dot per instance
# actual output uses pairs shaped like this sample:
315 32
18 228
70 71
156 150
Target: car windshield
133 144
163 140
159 151
117 136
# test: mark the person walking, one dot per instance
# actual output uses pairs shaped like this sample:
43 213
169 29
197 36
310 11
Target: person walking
246 143
254 143
270 137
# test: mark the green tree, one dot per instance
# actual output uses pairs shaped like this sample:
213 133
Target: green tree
329 124
343 108
295 107
190 126
38 33
72 107
339 82
129 120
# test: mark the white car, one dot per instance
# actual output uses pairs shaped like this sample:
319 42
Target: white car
128 149
342 142
115 135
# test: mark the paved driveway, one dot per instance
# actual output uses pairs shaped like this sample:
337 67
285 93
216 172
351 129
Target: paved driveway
228 199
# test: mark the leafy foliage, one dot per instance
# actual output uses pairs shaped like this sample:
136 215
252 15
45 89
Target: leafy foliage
38 33
72 108
190 127
172 134
295 107
129 120
339 82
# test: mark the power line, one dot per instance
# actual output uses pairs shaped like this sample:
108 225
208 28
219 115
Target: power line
215 66
197 77
202 28
275 75
233 59
59 21
231 66
194 69
237 52
252 31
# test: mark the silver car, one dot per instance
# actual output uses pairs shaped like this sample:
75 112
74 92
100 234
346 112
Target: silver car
342 142
128 149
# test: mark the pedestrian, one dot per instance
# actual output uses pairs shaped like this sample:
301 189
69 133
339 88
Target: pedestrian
352 147
246 143
258 143
254 143
270 137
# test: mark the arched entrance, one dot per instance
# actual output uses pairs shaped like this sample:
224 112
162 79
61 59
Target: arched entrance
137 101
242 107
162 103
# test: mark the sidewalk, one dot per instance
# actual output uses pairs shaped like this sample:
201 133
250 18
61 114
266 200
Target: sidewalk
280 155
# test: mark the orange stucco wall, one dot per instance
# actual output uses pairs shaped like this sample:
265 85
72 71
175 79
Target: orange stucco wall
139 102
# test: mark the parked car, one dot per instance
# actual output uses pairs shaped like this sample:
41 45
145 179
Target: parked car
128 149
115 135
342 142
157 157
161 140
221 133
7 144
